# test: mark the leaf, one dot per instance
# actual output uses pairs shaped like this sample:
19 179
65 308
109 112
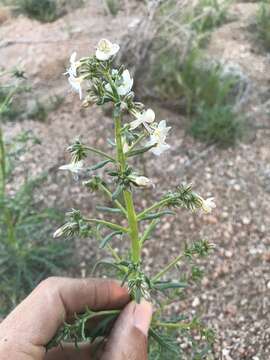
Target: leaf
111 142
113 173
108 238
139 151
108 209
102 327
158 215
105 262
99 165
164 342
165 285
117 192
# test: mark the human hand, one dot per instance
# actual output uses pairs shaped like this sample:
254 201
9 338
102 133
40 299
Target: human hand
31 325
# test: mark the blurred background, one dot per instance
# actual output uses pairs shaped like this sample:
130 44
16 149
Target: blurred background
201 64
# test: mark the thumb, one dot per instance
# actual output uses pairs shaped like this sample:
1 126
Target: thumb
128 339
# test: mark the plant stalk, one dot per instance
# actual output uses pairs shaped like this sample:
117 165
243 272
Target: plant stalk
167 268
131 213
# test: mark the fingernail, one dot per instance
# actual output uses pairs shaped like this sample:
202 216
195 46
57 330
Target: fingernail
142 316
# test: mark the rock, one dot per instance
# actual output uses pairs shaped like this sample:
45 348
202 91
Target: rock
228 254
224 215
266 256
196 302
5 14
226 354
211 219
246 220
231 310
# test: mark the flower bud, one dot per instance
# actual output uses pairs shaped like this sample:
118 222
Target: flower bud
141 181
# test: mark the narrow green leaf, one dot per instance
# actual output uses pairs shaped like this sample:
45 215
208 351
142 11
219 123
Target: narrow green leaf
108 238
158 215
99 165
111 142
164 342
165 285
108 209
117 192
105 263
139 151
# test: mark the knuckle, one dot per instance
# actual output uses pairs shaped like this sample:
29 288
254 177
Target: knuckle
49 284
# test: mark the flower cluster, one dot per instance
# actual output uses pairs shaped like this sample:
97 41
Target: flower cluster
105 84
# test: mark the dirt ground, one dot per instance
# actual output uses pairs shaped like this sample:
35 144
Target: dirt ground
234 296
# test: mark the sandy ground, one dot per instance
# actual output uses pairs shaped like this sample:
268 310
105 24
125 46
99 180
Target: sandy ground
234 296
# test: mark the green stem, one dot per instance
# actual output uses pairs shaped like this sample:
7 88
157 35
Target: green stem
133 227
108 224
114 253
131 213
99 152
136 142
153 207
109 194
167 268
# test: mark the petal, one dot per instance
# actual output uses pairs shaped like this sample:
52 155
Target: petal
126 75
115 49
158 150
102 56
149 116
64 167
162 124
134 124
73 57
108 87
151 141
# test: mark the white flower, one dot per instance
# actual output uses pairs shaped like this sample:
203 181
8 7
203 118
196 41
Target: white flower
75 83
72 70
123 83
158 137
145 118
141 181
208 205
126 83
74 167
106 49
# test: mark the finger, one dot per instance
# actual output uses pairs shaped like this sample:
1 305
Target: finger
69 352
128 339
39 316
85 351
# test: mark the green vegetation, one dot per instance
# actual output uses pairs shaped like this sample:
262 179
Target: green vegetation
209 14
41 10
216 125
27 252
207 95
113 6
263 24
18 109
41 109
184 77
12 105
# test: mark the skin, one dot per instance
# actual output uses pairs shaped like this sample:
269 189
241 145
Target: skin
30 326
